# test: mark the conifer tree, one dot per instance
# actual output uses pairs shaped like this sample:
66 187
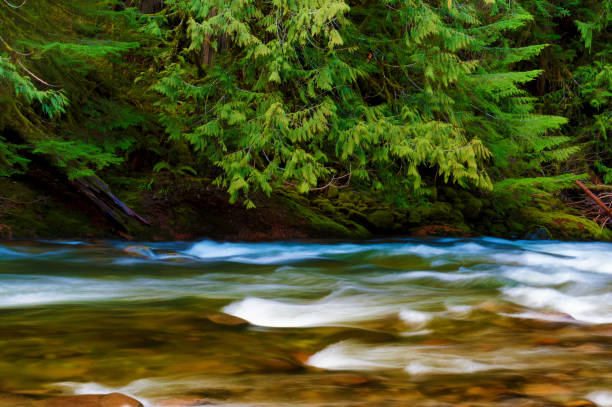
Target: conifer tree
44 68
576 79
314 93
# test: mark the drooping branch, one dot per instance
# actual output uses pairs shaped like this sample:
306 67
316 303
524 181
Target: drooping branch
34 76
11 5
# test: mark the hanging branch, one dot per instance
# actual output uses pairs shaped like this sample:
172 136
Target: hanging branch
34 76
17 54
14 6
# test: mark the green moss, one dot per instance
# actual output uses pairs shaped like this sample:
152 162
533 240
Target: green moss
435 213
564 226
26 213
470 206
332 193
320 223
381 219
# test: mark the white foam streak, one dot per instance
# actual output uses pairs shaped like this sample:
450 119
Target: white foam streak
539 278
133 389
414 317
542 316
325 312
458 365
596 309
603 398
594 258
269 253
347 356
415 360
417 275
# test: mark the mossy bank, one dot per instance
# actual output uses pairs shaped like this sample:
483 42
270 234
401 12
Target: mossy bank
191 208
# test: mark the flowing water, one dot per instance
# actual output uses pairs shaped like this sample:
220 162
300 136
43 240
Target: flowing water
479 322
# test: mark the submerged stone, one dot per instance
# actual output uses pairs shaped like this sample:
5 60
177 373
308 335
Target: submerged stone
182 402
347 379
545 390
220 318
139 250
538 234
580 403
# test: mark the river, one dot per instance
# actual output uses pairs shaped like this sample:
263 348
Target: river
443 322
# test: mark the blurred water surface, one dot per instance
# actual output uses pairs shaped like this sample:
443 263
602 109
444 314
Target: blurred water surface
483 322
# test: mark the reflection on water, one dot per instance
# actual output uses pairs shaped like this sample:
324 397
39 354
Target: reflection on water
481 322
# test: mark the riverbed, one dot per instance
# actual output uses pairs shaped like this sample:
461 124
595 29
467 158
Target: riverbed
403 322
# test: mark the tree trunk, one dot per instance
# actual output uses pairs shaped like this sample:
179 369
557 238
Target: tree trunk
151 6
208 52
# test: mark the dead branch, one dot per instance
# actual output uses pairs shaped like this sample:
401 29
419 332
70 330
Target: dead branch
594 198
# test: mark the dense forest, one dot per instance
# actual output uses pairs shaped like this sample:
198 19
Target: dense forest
247 119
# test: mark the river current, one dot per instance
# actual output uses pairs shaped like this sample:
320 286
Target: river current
444 322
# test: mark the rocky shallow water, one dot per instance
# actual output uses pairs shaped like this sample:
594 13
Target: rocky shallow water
445 322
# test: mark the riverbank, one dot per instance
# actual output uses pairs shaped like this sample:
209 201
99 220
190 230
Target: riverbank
185 208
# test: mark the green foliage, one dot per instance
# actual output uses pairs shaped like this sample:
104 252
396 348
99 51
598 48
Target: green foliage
514 193
578 76
318 93
11 162
180 170
51 102
44 64
87 155
396 97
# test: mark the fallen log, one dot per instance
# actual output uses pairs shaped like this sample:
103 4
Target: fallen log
100 194
595 198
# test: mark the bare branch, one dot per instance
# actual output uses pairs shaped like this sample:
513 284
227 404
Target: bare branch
14 6
34 76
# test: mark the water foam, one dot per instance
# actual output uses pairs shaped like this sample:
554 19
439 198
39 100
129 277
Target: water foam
268 253
17 291
415 360
134 389
457 365
603 398
595 309
434 275
414 317
541 278
325 312
592 257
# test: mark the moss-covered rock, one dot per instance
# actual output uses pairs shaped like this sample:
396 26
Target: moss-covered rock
322 219
28 213
565 226
191 208
381 219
